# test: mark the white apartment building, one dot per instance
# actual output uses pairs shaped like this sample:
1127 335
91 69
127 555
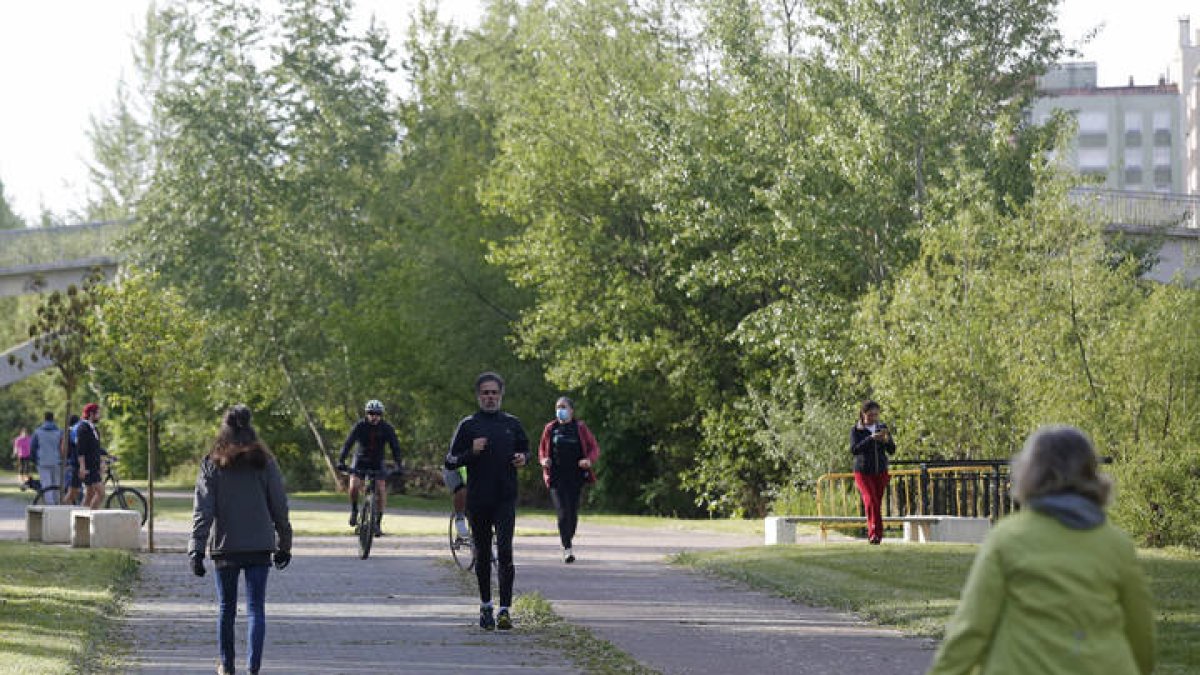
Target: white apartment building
1186 71
1127 136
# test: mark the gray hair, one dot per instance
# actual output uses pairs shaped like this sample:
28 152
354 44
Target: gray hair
1058 459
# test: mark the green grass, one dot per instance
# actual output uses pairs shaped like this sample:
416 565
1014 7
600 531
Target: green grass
717 525
916 588
533 614
59 607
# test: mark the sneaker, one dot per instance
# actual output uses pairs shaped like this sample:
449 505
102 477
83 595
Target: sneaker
353 517
460 525
568 556
486 621
379 525
503 620
222 670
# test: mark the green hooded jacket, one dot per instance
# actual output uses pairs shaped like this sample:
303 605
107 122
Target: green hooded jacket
1047 597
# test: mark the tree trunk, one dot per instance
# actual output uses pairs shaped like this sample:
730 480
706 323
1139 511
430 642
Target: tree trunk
152 452
310 422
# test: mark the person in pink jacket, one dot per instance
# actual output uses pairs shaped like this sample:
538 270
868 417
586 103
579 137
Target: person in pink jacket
568 452
21 453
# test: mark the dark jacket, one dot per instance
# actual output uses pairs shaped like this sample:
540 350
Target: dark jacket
371 439
870 455
588 447
244 505
87 445
491 477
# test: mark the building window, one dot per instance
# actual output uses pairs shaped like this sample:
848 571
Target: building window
1162 128
1093 122
1093 159
1093 140
1133 175
1133 130
1162 178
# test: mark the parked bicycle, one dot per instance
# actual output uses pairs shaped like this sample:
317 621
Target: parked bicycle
119 497
364 529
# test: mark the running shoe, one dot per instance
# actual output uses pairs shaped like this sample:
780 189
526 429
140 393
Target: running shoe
460 525
503 620
353 517
568 556
486 621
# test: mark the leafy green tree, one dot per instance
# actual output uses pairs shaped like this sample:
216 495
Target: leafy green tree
273 150
62 333
146 343
9 220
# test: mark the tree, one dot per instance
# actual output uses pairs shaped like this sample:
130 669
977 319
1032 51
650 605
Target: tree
147 343
273 149
9 220
62 331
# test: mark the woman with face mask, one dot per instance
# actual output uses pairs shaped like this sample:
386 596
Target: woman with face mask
567 452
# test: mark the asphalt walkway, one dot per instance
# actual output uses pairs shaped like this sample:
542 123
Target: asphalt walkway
406 610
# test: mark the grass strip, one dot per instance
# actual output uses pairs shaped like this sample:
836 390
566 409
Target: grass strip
60 607
916 588
592 654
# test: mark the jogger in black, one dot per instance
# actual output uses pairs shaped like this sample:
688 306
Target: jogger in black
492 445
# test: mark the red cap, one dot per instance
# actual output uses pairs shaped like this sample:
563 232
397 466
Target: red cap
90 408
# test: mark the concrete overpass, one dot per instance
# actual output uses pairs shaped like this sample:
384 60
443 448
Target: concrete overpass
42 260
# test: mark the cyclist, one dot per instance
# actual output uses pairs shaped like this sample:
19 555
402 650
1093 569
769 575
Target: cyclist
370 433
87 441
456 482
493 445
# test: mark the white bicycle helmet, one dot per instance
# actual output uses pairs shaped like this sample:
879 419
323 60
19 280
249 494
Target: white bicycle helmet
373 406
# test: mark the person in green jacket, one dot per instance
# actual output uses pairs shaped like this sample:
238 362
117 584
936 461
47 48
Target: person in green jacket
1055 588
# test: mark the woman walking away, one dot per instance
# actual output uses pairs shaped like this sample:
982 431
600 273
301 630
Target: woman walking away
241 513
1054 588
567 451
871 443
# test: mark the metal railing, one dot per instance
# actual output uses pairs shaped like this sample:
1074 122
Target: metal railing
48 245
974 488
1140 209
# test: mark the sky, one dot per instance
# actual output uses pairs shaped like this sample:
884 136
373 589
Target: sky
61 60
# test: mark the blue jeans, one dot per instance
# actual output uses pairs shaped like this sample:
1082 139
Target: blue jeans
256 597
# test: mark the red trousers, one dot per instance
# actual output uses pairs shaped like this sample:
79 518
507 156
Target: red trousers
871 487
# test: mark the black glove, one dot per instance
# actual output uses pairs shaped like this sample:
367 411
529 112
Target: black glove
197 565
282 559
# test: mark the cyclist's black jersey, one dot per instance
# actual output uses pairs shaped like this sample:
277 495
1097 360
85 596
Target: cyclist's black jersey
370 439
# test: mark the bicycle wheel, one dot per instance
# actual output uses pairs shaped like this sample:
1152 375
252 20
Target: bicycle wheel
461 548
128 499
366 527
47 495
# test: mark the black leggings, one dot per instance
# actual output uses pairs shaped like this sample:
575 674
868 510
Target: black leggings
566 502
504 518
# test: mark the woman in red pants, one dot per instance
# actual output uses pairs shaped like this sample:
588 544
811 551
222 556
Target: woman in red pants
871 443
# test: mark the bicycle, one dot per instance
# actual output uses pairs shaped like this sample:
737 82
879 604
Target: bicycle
365 527
126 498
462 549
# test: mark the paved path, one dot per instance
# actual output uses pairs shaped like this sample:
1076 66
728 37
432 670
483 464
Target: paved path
405 610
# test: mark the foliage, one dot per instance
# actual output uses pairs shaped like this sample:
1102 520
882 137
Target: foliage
9 220
62 332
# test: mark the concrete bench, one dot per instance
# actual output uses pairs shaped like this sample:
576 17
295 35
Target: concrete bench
106 528
48 524
917 529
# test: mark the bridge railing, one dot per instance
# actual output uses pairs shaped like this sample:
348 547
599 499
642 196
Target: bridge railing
1141 209
44 245
975 488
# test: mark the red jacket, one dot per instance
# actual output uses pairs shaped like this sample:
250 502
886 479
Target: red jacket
591 449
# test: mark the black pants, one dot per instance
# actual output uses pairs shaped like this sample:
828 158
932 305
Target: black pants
566 503
503 517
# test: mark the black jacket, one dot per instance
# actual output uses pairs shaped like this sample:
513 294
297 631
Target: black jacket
491 477
370 439
870 455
